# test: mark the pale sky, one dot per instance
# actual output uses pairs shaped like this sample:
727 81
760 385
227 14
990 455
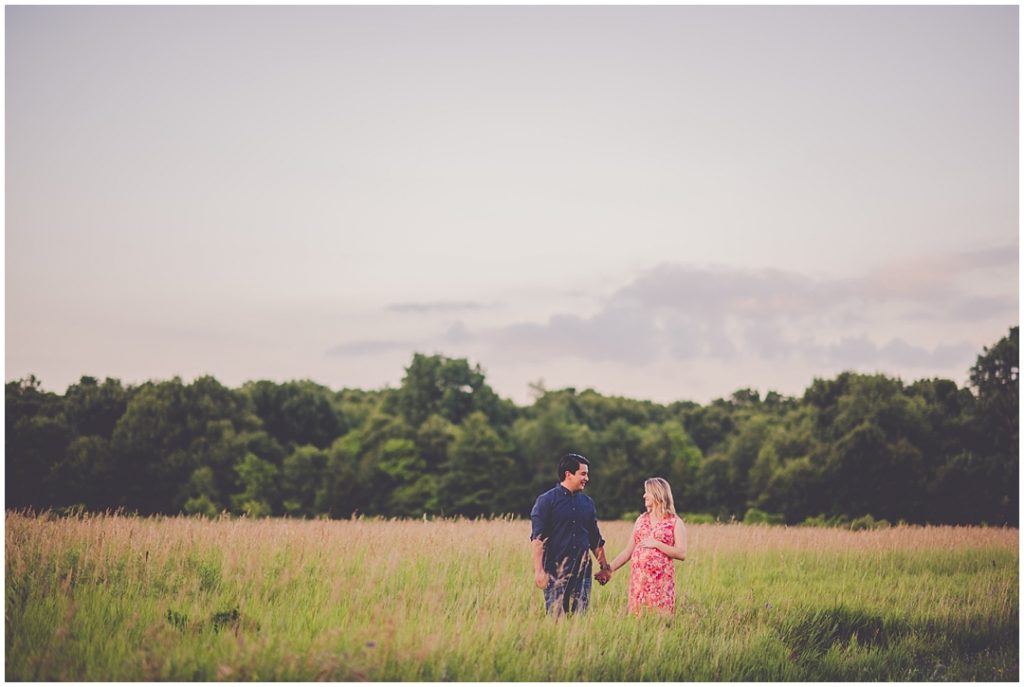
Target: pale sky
667 203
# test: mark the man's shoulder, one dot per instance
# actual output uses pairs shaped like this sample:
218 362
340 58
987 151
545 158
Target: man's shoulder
549 494
554 491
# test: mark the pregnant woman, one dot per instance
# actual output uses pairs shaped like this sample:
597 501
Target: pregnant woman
658 537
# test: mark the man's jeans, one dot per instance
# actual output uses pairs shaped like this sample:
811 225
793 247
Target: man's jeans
568 594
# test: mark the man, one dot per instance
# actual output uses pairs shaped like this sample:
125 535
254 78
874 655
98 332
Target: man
564 533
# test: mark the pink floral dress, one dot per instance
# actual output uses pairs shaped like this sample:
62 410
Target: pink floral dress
652 578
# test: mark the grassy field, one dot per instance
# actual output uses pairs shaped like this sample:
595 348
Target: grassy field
119 598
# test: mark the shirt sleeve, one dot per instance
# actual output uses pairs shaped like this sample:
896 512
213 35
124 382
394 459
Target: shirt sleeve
539 518
596 540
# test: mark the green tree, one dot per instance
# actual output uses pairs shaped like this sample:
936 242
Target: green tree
297 413
93 408
995 378
873 431
765 466
433 439
37 436
547 431
451 388
709 425
478 472
382 444
617 469
342 493
973 489
853 445
83 474
167 431
411 490
870 475
259 494
356 405
713 488
669 452
302 474
797 490
598 412
203 494
742 450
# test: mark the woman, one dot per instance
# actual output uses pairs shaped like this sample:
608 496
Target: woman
658 537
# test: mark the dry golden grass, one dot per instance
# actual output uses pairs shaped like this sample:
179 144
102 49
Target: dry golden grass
110 597
736 537
105 537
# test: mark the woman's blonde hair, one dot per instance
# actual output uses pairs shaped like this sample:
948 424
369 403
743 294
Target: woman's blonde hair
661 492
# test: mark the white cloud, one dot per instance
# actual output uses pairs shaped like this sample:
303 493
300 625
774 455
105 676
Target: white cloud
691 314
435 306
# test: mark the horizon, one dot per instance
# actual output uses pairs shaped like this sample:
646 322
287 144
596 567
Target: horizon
762 393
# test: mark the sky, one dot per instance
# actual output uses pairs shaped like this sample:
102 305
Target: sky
665 203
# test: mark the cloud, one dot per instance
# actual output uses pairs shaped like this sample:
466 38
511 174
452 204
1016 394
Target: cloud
933 278
968 308
435 307
368 347
615 334
711 293
860 352
1000 256
455 334
690 313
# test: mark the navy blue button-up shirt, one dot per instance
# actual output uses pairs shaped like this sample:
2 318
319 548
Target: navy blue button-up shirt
567 524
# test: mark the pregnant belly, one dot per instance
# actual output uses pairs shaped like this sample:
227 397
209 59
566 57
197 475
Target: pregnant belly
649 557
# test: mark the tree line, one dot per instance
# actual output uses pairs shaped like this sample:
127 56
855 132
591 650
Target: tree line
444 443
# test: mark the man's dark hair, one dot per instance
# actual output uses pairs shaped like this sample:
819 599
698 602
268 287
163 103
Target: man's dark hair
570 462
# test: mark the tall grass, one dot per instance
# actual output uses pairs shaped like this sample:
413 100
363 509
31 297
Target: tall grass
116 598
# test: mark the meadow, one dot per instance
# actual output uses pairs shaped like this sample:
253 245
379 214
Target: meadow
120 598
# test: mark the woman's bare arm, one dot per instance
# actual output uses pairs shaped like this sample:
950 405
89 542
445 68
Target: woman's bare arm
678 551
626 553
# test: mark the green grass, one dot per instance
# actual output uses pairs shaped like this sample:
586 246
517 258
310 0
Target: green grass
124 599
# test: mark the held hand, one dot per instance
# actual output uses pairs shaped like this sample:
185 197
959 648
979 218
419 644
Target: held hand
649 543
541 580
603 576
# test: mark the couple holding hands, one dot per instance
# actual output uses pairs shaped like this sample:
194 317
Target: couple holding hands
565 532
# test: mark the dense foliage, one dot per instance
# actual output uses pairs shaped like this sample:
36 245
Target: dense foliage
445 443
